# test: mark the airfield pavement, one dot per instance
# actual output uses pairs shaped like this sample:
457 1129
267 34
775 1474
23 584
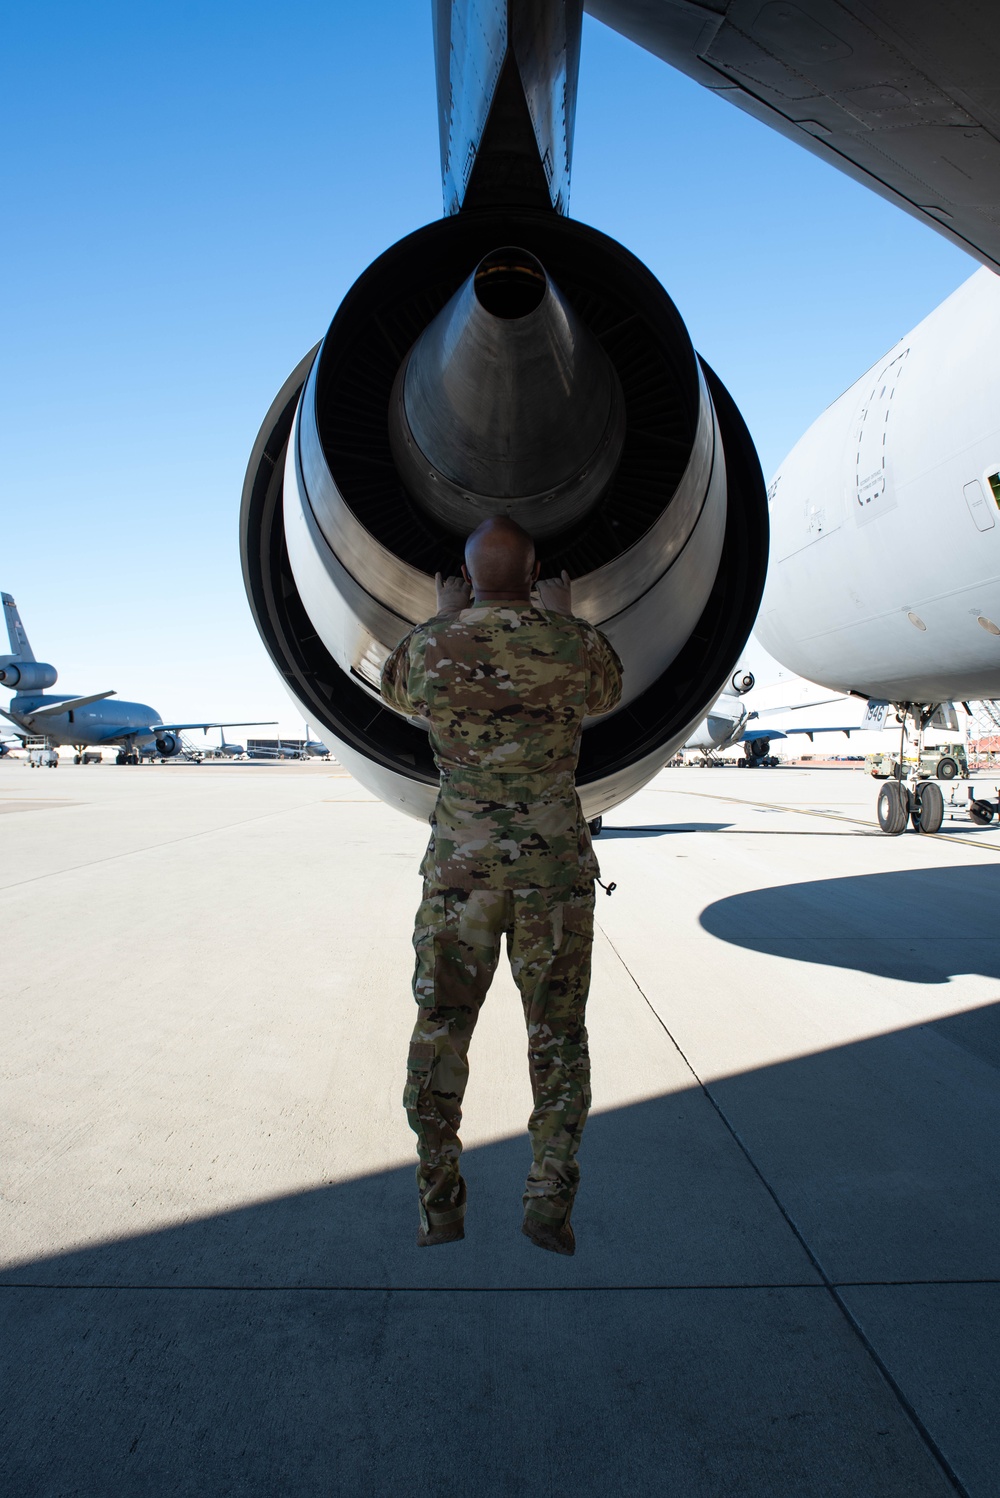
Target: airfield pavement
788 1272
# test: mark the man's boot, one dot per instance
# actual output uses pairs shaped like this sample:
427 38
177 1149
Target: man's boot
558 1238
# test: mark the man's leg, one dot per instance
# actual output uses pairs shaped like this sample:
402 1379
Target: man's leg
457 942
550 947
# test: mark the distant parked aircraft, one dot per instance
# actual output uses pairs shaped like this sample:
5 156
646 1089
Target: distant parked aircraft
90 722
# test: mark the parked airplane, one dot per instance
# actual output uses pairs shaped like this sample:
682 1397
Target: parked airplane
726 719
229 751
90 722
730 721
884 574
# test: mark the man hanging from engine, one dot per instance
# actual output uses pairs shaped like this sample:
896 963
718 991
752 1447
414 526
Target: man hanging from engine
504 686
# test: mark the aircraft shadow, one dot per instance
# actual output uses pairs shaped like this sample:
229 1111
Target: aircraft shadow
305 1345
660 829
919 925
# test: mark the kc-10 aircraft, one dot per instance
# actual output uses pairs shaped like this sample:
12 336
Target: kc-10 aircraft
730 721
90 722
509 360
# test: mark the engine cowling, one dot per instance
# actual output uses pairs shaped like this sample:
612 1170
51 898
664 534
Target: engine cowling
743 682
168 745
27 676
603 432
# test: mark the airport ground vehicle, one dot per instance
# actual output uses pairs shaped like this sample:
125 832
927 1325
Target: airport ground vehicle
935 762
43 759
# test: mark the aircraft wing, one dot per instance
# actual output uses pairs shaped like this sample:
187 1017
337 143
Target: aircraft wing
901 97
183 727
833 728
53 709
749 734
149 730
762 732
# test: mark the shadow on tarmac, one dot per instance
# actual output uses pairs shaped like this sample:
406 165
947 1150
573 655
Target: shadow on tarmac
919 925
305 1345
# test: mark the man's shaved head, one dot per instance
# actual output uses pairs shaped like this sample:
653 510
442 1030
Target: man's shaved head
500 559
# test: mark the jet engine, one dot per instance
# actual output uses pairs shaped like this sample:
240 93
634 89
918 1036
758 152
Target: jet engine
27 676
168 745
504 361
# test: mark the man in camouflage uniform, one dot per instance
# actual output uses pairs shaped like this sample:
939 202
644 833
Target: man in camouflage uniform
504 686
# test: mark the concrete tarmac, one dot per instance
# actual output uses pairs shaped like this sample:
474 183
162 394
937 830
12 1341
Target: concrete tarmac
787 1281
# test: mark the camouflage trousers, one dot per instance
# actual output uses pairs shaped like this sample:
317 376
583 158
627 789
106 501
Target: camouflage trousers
457 941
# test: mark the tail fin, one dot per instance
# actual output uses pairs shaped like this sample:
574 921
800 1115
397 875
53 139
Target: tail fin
19 646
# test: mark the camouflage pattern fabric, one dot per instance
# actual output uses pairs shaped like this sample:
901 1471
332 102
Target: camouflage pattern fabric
457 942
504 689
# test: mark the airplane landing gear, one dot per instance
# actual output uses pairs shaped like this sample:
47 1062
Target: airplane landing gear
595 826
927 807
893 807
923 805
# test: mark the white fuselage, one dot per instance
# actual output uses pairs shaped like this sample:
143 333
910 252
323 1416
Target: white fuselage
884 572
723 725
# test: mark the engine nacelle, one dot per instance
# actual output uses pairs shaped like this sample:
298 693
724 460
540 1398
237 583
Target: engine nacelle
26 676
551 379
743 682
168 745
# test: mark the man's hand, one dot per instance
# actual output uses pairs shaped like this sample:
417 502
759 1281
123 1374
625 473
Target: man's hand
453 594
555 593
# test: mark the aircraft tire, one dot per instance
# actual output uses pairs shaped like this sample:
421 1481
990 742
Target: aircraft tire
595 826
892 808
981 812
947 769
931 808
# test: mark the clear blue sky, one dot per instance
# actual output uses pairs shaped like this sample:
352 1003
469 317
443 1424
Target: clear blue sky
189 192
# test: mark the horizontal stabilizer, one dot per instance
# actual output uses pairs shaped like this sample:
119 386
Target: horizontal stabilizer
54 709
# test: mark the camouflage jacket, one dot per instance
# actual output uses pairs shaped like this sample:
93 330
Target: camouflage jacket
504 688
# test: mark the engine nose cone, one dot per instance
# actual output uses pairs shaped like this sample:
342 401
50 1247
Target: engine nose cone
507 405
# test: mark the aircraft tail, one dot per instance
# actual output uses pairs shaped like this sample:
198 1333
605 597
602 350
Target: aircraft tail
19 646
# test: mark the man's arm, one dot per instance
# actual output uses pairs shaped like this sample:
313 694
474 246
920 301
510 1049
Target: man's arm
605 691
400 682
395 683
605 672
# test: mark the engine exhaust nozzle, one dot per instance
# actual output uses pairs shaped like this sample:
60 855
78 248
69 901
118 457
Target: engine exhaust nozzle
507 405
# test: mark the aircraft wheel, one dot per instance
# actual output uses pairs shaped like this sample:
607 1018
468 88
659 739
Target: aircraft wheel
947 769
981 812
930 813
595 826
120 759
893 808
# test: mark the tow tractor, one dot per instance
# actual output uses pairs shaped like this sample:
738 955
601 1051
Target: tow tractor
912 794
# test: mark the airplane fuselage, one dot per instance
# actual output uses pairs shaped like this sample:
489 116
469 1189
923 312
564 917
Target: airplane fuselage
884 575
92 726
